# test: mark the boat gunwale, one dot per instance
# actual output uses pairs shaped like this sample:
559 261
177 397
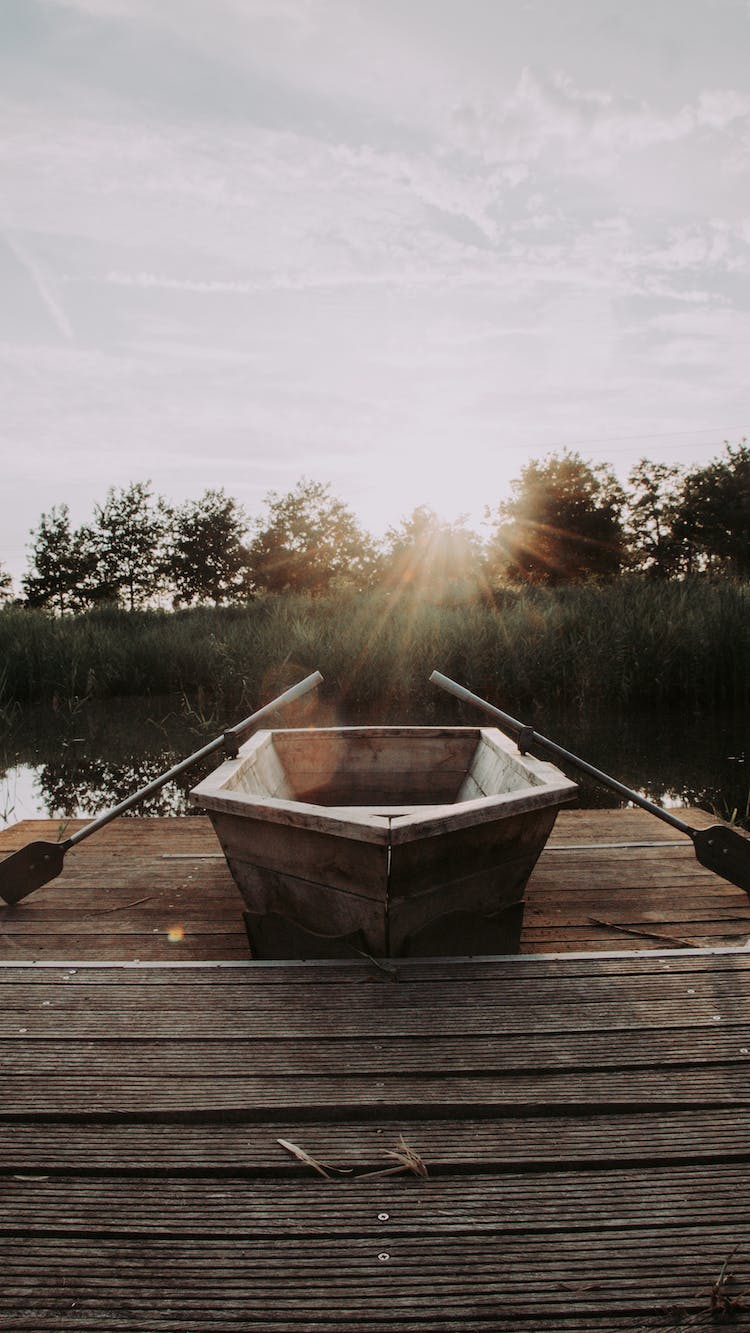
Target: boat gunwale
371 823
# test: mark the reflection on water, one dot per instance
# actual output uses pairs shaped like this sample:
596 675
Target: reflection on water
678 759
54 764
63 765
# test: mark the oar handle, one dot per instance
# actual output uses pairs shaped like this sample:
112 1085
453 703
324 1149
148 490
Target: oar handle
231 739
531 737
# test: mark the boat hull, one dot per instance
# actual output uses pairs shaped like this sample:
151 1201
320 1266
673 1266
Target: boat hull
387 878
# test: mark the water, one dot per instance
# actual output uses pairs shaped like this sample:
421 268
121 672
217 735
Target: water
67 763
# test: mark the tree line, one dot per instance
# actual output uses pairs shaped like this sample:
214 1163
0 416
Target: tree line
566 520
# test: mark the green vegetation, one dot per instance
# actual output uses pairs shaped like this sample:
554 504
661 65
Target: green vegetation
6 585
583 591
632 642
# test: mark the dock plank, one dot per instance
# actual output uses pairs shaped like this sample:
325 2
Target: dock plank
466 1145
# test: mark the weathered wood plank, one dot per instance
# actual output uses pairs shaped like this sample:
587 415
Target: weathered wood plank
348 865
371 791
136 921
517 983
689 988
492 770
465 1145
152 947
214 1022
211 1321
469 790
266 775
369 1097
362 750
240 990
419 863
546 1202
219 1058
444 1319
594 967
152 833
401 1283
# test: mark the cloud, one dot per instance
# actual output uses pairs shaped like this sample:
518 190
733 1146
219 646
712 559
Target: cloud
589 127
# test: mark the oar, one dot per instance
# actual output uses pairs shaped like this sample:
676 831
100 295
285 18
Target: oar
718 848
39 862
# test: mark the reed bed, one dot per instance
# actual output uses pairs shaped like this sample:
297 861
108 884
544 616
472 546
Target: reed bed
630 643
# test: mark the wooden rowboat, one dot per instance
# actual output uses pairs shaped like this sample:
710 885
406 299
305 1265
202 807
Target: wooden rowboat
388 841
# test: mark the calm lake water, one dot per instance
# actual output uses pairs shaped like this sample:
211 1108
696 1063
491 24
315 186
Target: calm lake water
65 763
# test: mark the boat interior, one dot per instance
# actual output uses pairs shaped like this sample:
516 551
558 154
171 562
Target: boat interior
389 767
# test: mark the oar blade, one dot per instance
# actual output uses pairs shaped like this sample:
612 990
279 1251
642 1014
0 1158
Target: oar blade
28 869
726 852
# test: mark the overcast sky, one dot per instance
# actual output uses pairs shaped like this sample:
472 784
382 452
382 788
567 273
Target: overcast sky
401 246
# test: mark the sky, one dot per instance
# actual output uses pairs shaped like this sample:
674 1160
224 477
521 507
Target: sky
397 246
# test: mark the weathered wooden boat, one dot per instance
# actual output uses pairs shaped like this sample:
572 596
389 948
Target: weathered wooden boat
387 841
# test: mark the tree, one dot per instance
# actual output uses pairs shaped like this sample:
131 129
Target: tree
6 585
206 559
561 525
62 563
308 542
651 513
712 521
129 542
433 558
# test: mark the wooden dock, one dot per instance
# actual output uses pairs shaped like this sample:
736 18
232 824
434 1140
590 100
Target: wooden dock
194 1142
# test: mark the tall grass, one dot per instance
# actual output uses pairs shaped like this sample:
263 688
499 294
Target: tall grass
630 643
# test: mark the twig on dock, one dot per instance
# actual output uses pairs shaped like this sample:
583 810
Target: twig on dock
407 1158
308 1160
304 1157
643 934
121 907
724 1308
